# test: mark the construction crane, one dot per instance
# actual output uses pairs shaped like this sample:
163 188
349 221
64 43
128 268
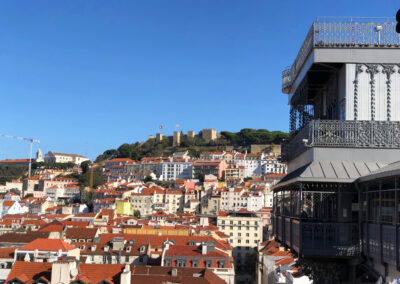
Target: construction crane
30 153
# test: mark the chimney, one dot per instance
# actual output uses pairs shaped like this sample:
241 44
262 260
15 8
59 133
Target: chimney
126 275
204 249
62 272
174 272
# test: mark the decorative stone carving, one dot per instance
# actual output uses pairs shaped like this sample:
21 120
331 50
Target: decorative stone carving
355 82
388 69
372 69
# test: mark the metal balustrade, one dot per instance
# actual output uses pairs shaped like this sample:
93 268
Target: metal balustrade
343 33
343 133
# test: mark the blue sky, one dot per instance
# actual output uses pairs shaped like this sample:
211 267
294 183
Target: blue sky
86 76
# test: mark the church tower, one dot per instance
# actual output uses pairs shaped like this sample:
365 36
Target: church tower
39 157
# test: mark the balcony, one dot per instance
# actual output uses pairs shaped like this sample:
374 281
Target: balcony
343 133
316 239
342 33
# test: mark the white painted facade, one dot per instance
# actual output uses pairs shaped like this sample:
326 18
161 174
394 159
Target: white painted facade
53 157
232 200
255 202
172 170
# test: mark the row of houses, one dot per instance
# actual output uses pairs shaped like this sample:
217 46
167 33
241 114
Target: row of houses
230 166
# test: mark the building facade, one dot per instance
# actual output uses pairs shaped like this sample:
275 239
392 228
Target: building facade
343 90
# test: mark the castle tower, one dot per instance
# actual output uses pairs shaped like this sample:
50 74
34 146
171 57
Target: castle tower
190 134
177 138
159 137
209 134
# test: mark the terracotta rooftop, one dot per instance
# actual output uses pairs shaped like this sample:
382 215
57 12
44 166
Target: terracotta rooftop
28 272
81 233
47 245
22 238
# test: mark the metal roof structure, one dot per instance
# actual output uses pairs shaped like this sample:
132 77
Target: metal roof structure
332 171
387 171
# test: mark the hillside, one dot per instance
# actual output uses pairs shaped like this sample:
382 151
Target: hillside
239 141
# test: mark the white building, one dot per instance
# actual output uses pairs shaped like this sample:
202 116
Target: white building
66 192
10 207
175 169
271 165
53 157
232 200
255 201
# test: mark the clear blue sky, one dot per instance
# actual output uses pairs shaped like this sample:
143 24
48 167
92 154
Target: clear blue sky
86 76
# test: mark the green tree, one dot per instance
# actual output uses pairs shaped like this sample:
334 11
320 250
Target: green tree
136 213
124 151
85 166
148 179
8 173
98 178
88 199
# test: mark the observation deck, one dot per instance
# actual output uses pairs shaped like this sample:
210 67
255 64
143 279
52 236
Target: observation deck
333 40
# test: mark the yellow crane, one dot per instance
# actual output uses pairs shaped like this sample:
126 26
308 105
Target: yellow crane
30 152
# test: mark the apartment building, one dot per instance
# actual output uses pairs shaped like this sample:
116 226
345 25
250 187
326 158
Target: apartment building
209 167
244 229
234 173
146 201
175 169
232 200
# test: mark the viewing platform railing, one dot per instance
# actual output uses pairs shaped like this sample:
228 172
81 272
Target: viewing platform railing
343 133
343 33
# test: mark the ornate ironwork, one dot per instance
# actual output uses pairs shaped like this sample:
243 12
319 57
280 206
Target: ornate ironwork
358 71
344 133
286 79
343 34
388 69
372 69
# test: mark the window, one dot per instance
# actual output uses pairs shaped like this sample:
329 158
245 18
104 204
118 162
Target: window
127 259
247 241
239 241
194 263
208 263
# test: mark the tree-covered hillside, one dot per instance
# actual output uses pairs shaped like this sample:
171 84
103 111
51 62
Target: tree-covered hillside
239 141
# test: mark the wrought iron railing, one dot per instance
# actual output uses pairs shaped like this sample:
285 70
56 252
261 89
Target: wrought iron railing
343 133
286 79
342 33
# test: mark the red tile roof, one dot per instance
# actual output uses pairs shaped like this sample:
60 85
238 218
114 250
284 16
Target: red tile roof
28 272
47 245
8 203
